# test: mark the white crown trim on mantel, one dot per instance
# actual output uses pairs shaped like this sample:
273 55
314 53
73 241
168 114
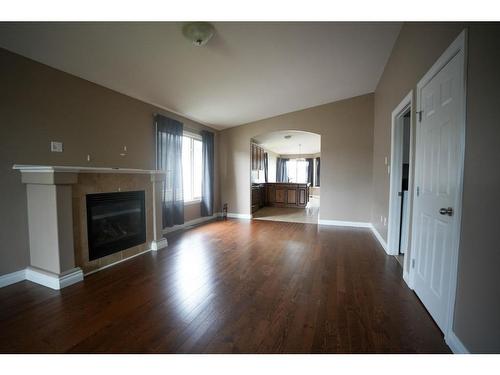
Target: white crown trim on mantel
76 169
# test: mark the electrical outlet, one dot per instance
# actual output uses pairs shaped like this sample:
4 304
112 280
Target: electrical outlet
385 160
124 153
56 146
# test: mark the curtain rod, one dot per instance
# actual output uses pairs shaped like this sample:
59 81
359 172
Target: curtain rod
183 127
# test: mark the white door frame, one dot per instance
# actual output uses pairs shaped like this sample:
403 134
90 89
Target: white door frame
458 46
393 230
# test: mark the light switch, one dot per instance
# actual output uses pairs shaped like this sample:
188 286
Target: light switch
56 146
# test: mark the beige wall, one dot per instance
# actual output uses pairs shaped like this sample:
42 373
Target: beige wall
346 129
477 308
193 211
39 104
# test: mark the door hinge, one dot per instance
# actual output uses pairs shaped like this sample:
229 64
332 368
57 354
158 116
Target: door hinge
419 114
418 191
413 263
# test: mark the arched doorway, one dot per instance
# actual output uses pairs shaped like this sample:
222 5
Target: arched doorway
285 180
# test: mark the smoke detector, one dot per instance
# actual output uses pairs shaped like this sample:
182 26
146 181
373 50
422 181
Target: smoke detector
198 33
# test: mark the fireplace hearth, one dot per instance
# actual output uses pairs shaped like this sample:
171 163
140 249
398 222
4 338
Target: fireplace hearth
115 221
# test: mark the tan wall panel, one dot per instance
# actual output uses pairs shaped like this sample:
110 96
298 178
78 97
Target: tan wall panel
346 129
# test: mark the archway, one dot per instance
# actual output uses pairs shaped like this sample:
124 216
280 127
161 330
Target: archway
285 170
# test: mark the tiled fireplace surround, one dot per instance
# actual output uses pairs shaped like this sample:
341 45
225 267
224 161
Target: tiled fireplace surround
56 197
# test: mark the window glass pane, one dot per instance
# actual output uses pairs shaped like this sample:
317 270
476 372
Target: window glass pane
291 166
186 169
297 170
197 168
301 171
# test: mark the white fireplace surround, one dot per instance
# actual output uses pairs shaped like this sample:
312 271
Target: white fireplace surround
50 222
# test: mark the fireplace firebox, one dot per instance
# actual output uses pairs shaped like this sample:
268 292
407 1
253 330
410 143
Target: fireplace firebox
115 222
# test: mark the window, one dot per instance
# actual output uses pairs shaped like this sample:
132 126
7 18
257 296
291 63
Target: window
297 170
191 167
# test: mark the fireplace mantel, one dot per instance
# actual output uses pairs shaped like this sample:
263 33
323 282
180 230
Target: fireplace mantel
76 169
50 204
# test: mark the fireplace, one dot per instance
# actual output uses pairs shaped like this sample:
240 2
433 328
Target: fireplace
115 222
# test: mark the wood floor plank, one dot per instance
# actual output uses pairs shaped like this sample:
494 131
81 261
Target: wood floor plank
231 287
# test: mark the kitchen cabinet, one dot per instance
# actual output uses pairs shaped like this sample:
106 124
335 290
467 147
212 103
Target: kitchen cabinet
287 194
257 157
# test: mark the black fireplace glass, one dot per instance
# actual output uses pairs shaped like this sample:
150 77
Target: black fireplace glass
115 221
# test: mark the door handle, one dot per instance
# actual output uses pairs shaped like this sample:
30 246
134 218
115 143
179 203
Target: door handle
446 211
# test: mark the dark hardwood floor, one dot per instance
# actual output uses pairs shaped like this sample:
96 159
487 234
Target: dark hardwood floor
231 287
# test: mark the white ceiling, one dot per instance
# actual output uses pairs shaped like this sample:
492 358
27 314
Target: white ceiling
247 72
299 143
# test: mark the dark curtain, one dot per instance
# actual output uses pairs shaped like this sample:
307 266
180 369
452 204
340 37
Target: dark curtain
310 170
281 172
266 166
317 170
207 182
169 159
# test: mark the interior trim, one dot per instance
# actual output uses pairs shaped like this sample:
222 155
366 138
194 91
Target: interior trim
234 215
379 238
12 278
52 280
190 223
456 346
341 223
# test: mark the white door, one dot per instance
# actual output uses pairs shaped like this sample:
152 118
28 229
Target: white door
437 181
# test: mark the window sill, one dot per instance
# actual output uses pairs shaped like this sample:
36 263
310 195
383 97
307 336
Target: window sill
190 203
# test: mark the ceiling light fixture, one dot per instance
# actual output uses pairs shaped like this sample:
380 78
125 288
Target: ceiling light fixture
198 33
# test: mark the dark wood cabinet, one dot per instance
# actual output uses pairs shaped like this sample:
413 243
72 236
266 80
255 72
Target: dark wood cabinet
303 197
257 156
259 198
287 194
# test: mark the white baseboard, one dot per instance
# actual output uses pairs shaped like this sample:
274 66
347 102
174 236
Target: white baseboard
189 223
406 278
234 215
52 280
380 239
159 244
340 223
456 346
12 278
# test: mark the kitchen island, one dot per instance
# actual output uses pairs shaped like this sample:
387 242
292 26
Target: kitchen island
280 194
